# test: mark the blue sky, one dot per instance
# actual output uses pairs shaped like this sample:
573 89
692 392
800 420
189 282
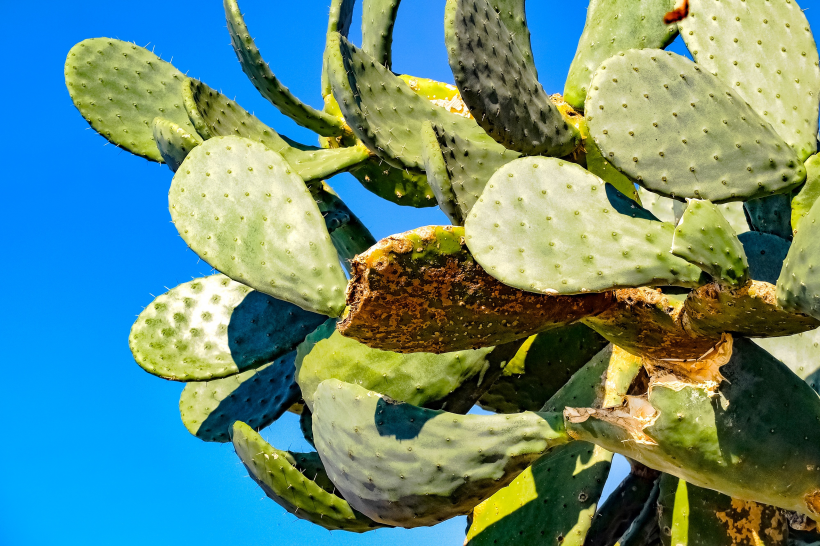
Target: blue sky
95 451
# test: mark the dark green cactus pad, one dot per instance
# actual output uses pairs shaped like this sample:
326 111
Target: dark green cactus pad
514 17
214 327
765 254
541 367
120 88
771 215
681 132
644 530
348 234
551 502
753 437
570 232
694 516
382 110
437 175
420 379
306 426
400 186
809 193
766 53
238 205
798 287
624 506
470 164
611 28
257 397
705 238
408 466
800 352
174 142
297 482
214 115
497 84
378 18
268 85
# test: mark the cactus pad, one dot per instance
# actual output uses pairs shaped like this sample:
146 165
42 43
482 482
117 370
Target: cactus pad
704 237
766 53
611 28
498 85
378 18
120 88
348 234
421 379
382 110
809 193
214 327
771 215
572 233
269 86
798 288
257 397
700 517
681 132
173 142
407 466
800 352
239 206
765 254
437 175
296 482
214 115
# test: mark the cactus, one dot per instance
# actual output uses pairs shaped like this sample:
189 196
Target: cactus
631 268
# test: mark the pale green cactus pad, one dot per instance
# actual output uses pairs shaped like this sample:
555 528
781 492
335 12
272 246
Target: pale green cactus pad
802 202
257 397
572 233
174 142
766 53
120 88
240 207
681 132
214 327
437 175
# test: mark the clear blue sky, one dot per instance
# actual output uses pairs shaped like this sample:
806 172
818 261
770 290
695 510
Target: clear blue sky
95 452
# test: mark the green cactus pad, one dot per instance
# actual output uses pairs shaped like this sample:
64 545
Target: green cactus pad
681 132
410 467
120 88
214 327
694 516
306 425
670 210
348 234
571 233
809 193
753 436
644 528
765 254
541 367
399 186
704 237
800 352
382 110
268 85
603 169
378 18
624 506
766 53
798 287
174 142
566 483
551 502
301 489
771 214
257 397
339 20
237 204
497 84
214 115
421 379
611 28
437 175
512 13
470 164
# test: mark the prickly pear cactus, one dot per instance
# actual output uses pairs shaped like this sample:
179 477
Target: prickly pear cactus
599 291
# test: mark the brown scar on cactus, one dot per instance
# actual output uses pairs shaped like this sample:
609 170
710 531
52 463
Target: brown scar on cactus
422 291
635 413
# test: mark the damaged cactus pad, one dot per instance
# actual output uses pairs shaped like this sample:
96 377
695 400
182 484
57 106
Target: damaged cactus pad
627 269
